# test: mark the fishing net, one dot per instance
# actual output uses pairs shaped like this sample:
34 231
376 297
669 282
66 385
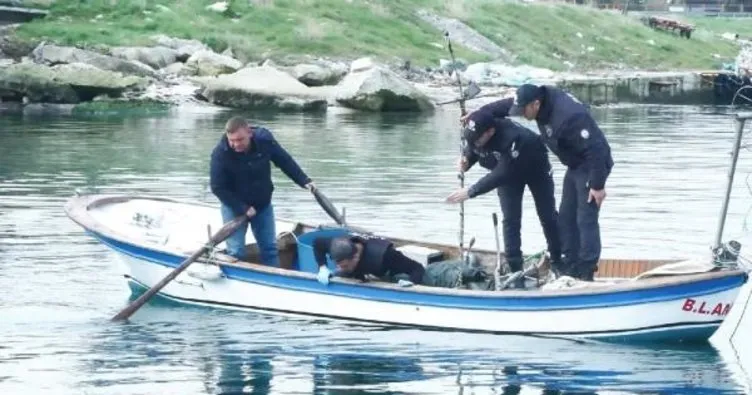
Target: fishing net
461 274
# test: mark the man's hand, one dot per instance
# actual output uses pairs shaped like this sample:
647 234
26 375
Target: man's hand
458 196
323 275
597 195
310 186
463 119
462 164
405 283
251 212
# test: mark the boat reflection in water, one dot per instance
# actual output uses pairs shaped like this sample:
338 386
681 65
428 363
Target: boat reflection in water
733 341
178 349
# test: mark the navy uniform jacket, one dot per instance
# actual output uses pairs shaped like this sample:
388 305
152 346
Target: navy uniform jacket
570 132
244 180
510 153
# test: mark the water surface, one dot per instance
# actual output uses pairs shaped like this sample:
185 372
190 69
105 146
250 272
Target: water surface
392 173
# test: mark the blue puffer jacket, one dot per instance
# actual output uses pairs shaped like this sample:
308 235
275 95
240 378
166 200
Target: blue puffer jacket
242 180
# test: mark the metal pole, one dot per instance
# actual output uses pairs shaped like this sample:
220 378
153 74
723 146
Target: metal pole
739 122
463 112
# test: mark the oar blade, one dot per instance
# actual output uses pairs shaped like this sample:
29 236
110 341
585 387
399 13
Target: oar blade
328 207
218 237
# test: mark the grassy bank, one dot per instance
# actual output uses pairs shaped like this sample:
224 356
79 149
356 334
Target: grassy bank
539 35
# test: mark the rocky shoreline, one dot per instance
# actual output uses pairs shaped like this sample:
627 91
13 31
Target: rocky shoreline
176 71
173 71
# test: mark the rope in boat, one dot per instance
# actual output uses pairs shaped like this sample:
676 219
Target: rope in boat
534 257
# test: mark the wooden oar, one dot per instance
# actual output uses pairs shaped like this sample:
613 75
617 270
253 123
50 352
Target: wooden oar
218 237
330 210
328 207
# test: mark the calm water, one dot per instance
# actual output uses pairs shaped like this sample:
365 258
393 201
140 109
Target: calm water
392 173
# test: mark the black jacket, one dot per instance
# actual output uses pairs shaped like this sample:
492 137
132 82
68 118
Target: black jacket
242 180
570 132
511 152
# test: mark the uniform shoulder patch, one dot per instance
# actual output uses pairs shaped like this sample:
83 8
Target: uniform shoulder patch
585 134
549 130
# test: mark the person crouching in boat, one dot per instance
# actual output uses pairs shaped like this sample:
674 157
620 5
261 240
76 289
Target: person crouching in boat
358 256
241 178
517 157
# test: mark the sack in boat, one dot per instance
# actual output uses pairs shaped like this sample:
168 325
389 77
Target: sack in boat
456 274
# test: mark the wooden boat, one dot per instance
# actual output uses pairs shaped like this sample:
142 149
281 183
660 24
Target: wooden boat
633 300
154 235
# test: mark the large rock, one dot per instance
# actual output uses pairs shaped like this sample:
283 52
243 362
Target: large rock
379 89
497 74
53 54
156 57
173 69
262 88
13 46
318 75
184 48
65 83
207 63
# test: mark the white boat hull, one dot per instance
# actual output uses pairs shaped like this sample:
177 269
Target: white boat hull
154 235
648 320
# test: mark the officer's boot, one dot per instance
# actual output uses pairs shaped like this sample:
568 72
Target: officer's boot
561 267
585 271
515 265
553 268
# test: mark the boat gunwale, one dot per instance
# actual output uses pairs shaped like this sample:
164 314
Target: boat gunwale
79 207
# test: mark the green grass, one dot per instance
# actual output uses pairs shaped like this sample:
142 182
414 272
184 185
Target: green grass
742 26
536 32
267 28
539 35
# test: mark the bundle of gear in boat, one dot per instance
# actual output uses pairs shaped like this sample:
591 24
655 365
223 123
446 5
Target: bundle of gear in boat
366 257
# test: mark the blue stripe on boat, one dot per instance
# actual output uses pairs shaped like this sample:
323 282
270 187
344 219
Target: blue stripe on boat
499 302
675 332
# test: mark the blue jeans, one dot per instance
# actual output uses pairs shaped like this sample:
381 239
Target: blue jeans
263 228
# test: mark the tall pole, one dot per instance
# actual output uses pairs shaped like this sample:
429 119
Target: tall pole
463 111
739 123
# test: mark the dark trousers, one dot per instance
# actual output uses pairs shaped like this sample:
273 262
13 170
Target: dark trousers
578 222
539 180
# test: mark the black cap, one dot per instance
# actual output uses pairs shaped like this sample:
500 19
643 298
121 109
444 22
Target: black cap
477 123
341 248
526 94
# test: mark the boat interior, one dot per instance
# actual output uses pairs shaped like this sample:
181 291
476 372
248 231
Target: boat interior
176 226
296 253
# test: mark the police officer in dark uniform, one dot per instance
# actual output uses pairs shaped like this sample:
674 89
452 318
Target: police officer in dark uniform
356 256
517 158
572 134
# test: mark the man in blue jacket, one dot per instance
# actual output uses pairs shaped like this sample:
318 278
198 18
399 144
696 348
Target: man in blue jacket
572 134
517 158
240 177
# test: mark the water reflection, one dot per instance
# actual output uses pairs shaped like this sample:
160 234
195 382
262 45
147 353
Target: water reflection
201 350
